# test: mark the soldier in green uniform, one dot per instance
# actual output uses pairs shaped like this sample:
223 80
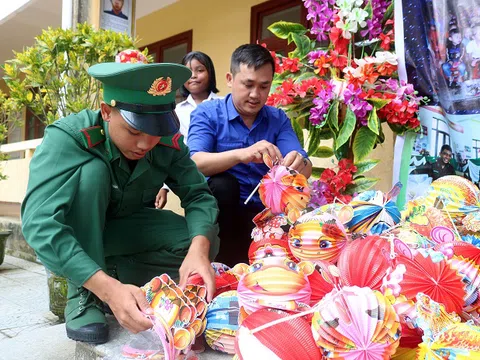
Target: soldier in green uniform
89 211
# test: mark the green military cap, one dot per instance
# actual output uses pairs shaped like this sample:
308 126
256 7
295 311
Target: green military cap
144 93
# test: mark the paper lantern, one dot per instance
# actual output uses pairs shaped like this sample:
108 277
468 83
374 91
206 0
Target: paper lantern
323 279
317 236
275 282
445 337
289 340
356 323
436 279
270 226
453 194
130 56
222 322
283 190
373 212
364 262
269 247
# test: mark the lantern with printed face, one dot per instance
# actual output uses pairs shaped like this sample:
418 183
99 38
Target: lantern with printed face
317 236
283 190
274 282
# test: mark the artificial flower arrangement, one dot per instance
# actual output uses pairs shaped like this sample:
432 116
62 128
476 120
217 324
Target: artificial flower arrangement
343 91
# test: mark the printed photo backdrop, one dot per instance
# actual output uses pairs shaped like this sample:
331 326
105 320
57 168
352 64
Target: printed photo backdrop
440 40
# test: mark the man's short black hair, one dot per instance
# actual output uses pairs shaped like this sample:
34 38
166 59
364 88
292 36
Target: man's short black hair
205 60
445 147
251 55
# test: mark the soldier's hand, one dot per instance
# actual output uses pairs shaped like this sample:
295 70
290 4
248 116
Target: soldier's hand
128 304
161 198
255 152
197 262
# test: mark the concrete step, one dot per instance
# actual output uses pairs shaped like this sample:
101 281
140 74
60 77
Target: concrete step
51 343
120 337
16 244
48 343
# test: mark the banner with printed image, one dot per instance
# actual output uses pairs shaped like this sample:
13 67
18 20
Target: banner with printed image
441 47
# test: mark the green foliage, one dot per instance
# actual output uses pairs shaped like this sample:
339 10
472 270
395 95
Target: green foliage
366 165
285 30
346 130
51 76
363 144
361 184
10 116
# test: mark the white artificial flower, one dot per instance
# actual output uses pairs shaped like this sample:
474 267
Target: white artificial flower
338 88
386 56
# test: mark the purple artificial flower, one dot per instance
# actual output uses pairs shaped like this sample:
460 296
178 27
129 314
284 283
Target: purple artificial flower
359 106
374 24
314 55
392 84
322 103
317 194
320 12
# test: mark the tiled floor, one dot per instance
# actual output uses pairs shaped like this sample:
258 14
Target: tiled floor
23 298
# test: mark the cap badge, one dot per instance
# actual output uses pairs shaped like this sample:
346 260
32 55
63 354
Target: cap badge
161 87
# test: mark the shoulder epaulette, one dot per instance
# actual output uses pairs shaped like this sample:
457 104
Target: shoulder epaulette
92 136
174 141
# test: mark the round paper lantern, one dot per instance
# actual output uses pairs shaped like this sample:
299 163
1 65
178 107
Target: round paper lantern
471 277
270 226
283 190
436 279
263 248
373 212
364 262
323 279
317 236
222 322
356 323
130 56
274 282
457 194
289 340
460 341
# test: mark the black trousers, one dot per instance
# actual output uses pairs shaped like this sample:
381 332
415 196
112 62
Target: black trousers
234 219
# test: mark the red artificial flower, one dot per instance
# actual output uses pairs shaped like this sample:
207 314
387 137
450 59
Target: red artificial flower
287 87
338 60
337 182
386 69
322 64
291 65
368 73
279 99
307 85
340 44
346 164
386 40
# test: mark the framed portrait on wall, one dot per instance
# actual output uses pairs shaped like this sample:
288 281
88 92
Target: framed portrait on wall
118 15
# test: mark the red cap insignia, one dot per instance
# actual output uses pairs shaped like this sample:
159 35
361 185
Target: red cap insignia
161 87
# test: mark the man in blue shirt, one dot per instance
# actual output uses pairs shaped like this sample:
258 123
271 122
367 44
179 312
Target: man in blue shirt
227 139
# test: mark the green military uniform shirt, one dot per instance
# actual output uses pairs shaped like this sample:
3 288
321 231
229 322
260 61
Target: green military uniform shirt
55 169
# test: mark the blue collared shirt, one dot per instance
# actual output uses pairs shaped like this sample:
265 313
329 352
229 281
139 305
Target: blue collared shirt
216 126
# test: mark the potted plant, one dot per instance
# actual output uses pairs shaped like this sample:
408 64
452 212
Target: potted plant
51 79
